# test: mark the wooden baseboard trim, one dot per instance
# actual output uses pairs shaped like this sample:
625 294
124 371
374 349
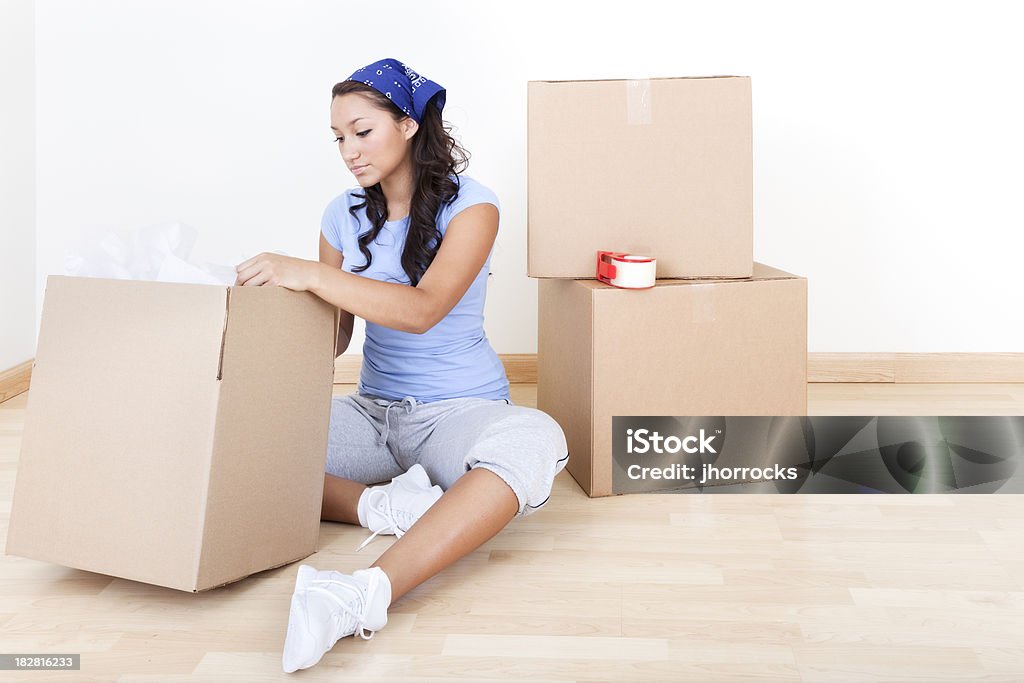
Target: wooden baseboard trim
14 381
916 368
898 368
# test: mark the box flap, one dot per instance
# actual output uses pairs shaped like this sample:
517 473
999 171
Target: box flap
267 471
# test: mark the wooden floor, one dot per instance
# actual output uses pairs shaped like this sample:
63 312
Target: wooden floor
628 588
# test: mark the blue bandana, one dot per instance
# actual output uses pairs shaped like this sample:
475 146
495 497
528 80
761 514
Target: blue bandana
403 86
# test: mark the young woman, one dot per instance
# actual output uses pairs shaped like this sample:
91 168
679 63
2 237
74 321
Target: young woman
408 251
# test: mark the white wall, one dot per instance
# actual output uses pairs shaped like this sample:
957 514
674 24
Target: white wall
17 184
887 137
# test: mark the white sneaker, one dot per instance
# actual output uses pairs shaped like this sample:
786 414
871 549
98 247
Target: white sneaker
394 507
327 606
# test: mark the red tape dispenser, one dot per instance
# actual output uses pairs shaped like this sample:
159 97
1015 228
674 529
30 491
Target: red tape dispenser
625 270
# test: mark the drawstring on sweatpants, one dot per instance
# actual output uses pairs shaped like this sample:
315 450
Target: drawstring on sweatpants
409 402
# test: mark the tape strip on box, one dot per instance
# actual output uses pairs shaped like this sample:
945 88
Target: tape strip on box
638 101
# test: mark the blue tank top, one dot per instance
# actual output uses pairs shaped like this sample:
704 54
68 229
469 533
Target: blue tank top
453 359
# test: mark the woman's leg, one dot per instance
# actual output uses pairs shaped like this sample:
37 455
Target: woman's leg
494 461
341 498
476 507
355 456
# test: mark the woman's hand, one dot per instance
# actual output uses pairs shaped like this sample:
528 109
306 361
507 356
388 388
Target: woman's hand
276 269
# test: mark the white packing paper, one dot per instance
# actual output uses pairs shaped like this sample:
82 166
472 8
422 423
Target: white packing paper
157 252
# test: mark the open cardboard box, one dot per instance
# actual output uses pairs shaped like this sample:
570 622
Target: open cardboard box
175 434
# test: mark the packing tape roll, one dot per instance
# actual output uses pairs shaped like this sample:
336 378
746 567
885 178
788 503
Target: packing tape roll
628 271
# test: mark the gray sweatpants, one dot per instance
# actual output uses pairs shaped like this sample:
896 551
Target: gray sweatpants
372 440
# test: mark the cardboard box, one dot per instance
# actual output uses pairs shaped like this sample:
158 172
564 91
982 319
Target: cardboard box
683 347
175 434
660 167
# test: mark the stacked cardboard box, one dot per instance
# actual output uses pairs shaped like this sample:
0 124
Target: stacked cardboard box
175 433
660 167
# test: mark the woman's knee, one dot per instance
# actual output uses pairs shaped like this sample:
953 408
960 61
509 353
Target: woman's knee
526 449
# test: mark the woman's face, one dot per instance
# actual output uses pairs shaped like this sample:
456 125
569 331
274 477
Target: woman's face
371 142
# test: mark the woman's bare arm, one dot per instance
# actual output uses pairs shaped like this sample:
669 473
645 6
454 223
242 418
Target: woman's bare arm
468 240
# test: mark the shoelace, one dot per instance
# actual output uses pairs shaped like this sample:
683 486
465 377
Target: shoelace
389 515
356 617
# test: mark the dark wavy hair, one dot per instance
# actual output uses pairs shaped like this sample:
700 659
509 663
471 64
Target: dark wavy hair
435 157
